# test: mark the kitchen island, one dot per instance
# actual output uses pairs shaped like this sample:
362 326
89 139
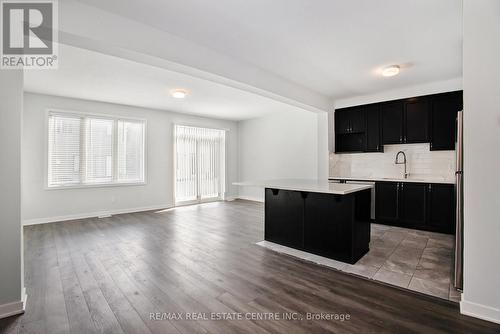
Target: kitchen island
317 216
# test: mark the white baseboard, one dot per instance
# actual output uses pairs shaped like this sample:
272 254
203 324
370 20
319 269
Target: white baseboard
14 308
251 198
93 214
480 311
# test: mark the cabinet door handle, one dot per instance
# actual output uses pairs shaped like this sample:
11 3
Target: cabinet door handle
430 187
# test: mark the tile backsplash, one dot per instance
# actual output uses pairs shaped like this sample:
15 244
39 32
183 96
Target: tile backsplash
422 163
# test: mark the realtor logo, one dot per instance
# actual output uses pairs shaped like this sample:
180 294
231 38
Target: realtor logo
29 34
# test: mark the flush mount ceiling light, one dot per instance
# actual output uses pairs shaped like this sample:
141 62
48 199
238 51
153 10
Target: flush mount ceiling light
390 71
179 93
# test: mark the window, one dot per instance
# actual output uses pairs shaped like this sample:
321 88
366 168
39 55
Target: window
94 150
130 151
199 164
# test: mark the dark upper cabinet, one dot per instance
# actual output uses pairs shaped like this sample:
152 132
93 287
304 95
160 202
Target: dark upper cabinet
405 121
442 208
444 108
387 201
423 119
416 120
413 202
342 122
284 215
373 129
350 120
357 120
349 143
350 125
392 122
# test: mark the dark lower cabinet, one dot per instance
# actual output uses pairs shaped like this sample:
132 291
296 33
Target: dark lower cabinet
422 206
442 208
387 201
286 210
413 204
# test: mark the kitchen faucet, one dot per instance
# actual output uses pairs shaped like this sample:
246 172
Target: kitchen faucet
397 162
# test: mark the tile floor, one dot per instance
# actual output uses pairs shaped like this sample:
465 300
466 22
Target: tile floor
412 259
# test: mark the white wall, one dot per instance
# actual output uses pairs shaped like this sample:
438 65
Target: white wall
481 296
291 144
40 205
11 276
422 163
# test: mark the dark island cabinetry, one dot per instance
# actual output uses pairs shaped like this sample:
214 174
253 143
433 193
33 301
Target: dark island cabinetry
286 210
334 226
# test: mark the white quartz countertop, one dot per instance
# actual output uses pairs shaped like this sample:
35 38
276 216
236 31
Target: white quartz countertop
390 179
310 185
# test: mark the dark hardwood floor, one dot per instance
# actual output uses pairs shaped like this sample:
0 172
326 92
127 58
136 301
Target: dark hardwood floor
108 276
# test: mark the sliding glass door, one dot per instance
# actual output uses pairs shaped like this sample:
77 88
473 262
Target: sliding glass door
199 164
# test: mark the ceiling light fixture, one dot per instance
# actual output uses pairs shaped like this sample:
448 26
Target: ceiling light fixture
390 71
179 93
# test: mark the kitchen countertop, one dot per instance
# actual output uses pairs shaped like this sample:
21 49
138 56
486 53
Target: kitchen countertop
389 179
310 185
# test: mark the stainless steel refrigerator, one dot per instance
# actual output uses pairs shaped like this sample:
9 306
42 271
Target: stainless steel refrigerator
459 238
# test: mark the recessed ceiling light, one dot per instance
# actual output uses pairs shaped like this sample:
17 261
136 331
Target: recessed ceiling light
390 71
179 93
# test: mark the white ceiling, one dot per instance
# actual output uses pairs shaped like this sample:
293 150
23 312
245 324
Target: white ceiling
94 76
334 47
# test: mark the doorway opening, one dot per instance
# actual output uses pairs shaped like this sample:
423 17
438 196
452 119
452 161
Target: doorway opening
199 166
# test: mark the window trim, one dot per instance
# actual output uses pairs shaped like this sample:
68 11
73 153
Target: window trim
115 118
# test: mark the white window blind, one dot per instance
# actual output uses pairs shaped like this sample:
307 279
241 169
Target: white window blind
93 150
64 150
99 150
130 151
200 156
